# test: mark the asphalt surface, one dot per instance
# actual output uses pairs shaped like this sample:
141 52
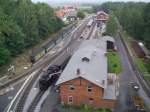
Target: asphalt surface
126 77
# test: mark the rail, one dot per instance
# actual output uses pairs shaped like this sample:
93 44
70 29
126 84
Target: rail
91 31
35 101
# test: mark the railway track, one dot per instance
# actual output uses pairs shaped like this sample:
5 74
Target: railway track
19 106
35 101
91 31
22 100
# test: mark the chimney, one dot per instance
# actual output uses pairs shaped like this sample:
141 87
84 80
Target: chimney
78 71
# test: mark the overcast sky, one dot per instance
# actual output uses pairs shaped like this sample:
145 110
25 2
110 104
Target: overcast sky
84 1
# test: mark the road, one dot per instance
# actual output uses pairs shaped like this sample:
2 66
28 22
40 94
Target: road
127 76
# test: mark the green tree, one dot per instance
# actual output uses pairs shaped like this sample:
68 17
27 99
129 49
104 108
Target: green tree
111 27
47 21
23 24
4 55
11 36
146 34
26 19
80 14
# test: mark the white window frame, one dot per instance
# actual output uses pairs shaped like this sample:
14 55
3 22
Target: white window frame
69 100
90 88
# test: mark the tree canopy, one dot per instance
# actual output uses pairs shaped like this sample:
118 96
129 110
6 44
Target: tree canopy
111 26
81 14
23 24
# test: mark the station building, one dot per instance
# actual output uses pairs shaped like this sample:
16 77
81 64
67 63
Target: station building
86 80
102 16
101 19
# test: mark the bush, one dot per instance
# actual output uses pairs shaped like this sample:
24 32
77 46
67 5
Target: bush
81 14
103 110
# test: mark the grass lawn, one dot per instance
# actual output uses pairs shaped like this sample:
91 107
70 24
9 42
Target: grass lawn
141 64
144 67
114 64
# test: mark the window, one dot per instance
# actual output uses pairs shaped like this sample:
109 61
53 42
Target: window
71 87
85 59
90 100
89 88
70 99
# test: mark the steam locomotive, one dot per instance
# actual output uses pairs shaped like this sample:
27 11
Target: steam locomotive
50 75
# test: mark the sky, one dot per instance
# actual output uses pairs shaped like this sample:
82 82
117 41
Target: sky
84 1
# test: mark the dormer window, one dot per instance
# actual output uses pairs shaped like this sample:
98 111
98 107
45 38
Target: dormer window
85 59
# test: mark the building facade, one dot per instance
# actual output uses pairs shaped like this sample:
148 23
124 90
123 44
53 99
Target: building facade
80 91
102 16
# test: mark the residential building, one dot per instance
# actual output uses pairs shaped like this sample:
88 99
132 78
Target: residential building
67 13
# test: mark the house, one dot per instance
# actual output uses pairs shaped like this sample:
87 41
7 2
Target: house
71 16
85 80
101 17
68 12
60 13
69 8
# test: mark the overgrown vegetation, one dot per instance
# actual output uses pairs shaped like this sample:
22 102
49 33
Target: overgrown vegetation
23 24
114 64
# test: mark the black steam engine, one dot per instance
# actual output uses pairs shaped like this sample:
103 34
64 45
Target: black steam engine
50 75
